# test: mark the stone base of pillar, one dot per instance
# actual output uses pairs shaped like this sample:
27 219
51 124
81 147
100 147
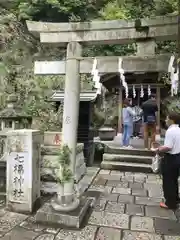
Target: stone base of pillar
118 138
59 206
74 218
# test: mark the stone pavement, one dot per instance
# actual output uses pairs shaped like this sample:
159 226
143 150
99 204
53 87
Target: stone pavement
125 206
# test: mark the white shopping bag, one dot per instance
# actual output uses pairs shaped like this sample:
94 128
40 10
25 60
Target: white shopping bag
156 161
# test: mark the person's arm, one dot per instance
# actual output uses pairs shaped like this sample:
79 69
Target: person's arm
156 113
156 108
141 112
142 109
131 112
168 143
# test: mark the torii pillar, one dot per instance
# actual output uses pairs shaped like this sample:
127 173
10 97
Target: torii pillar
71 115
71 99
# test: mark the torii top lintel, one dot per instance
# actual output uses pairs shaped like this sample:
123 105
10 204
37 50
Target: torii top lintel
106 32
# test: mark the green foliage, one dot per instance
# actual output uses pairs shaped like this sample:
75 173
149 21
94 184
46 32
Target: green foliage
98 118
172 104
63 173
57 10
166 47
133 9
113 10
64 155
19 49
136 9
17 53
166 7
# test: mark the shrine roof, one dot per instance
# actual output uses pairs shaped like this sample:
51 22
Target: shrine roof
88 96
111 81
11 113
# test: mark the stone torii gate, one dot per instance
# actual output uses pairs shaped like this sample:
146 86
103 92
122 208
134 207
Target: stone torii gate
74 35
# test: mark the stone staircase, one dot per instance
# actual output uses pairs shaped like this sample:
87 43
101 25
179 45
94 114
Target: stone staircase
132 160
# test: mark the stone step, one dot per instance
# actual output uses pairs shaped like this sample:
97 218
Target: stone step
127 158
124 151
54 149
50 150
126 167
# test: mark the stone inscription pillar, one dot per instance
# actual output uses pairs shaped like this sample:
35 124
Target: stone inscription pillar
23 170
71 100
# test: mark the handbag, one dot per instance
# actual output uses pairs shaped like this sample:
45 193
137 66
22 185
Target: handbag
156 164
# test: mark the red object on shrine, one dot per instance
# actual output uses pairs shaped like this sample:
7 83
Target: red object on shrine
57 140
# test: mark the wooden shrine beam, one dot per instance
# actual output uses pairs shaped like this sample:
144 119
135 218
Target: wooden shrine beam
105 32
131 64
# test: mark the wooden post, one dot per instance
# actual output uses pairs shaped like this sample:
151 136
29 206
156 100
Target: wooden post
158 96
120 99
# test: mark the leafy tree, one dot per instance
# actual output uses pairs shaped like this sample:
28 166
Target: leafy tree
57 10
135 9
18 49
17 53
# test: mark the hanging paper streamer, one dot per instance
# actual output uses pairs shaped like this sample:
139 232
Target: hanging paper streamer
126 91
99 88
142 92
96 77
149 90
121 70
94 68
175 83
171 61
174 76
122 77
134 92
97 84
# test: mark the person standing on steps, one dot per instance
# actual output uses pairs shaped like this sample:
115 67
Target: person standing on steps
137 120
170 164
149 113
127 120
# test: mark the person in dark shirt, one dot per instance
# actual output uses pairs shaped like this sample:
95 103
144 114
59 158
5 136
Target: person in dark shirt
150 109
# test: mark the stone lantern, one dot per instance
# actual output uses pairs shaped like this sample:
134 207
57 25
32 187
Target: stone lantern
12 117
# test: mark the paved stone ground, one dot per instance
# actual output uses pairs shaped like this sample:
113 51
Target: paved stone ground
125 207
